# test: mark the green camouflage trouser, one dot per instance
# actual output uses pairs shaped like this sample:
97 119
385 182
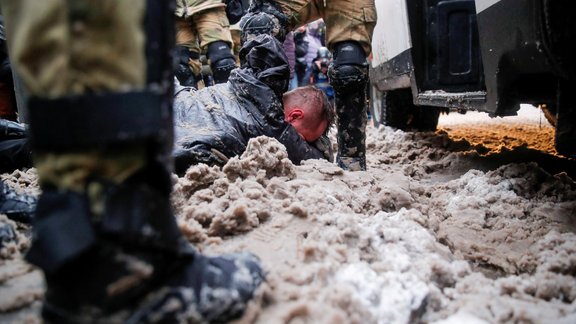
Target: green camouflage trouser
75 47
345 19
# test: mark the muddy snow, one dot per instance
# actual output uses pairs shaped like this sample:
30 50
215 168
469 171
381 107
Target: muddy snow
475 223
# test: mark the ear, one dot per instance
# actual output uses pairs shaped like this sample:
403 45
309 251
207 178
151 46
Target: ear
295 113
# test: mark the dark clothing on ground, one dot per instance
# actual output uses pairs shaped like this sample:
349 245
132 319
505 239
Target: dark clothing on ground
15 152
215 123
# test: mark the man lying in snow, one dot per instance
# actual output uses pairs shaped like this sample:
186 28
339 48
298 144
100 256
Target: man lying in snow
215 123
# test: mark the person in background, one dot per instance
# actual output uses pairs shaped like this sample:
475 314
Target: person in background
349 28
100 127
290 50
314 42
215 123
301 49
319 76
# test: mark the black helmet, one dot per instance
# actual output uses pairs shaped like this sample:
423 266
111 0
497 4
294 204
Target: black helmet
323 53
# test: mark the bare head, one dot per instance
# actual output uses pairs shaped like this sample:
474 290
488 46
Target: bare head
309 111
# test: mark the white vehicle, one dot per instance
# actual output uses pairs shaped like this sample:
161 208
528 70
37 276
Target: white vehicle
485 55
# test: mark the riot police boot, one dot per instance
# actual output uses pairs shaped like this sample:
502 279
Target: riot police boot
110 247
184 73
263 17
348 75
222 61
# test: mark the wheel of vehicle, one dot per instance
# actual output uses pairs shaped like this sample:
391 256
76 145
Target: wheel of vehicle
565 139
396 109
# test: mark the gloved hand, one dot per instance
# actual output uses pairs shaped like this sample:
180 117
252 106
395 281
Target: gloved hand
324 144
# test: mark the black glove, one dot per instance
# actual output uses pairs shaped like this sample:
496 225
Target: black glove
234 10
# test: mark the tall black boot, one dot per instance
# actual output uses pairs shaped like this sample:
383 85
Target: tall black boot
109 245
348 76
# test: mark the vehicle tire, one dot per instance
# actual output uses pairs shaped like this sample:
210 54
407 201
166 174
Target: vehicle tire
565 138
396 109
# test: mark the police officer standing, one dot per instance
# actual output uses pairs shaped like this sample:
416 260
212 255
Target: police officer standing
349 28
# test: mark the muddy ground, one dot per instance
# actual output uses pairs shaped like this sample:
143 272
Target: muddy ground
475 223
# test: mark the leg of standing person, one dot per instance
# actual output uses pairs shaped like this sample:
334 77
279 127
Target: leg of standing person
216 41
349 28
100 119
189 68
207 21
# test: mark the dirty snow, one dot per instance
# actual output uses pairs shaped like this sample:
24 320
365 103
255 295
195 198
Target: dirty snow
474 223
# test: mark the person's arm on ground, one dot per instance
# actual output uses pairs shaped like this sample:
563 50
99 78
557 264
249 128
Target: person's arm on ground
298 149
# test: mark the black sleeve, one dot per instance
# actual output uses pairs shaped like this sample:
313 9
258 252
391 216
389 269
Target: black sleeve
298 149
15 154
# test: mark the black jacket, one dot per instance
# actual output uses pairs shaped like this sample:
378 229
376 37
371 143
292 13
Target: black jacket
215 123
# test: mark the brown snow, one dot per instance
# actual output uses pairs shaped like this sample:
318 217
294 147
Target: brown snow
474 223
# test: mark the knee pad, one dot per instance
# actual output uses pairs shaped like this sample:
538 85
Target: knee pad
349 70
222 60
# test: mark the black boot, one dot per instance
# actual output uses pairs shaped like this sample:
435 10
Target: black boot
348 76
113 251
105 235
131 265
222 61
